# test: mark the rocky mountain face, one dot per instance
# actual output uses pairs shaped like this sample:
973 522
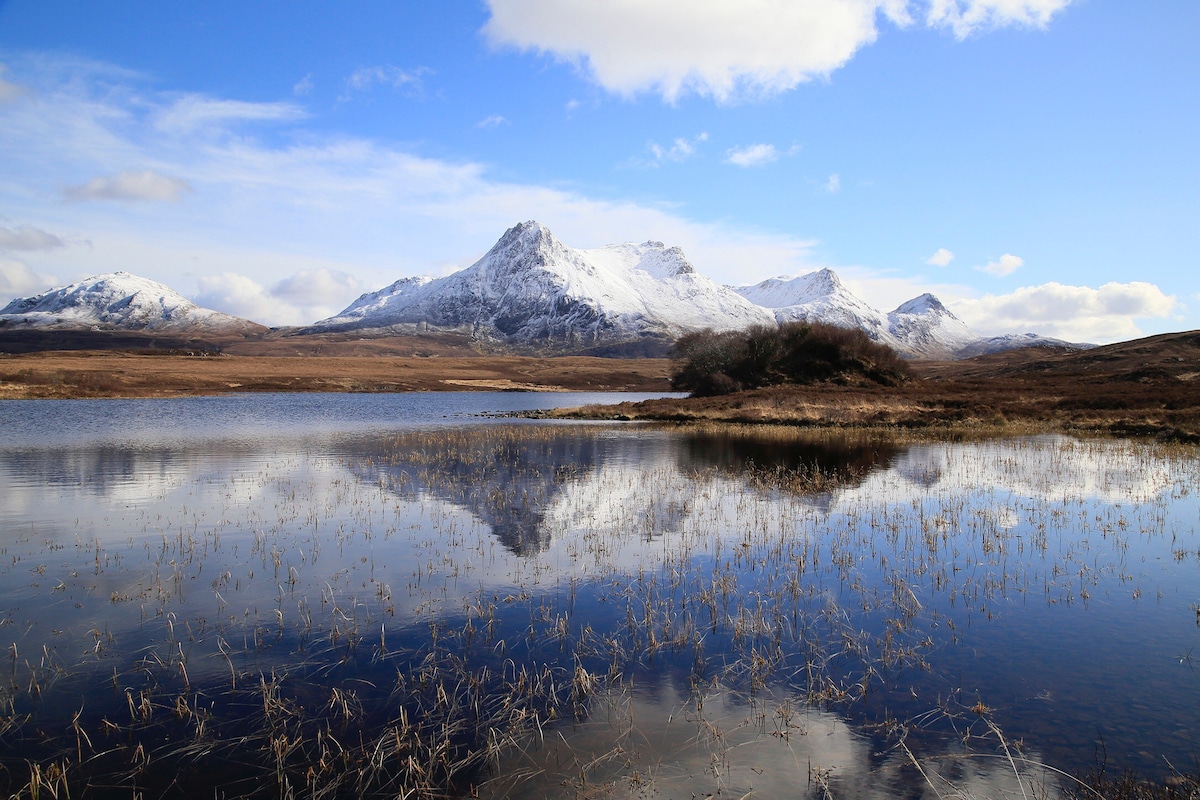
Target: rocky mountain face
120 301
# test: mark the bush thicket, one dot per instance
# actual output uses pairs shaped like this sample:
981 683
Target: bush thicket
708 363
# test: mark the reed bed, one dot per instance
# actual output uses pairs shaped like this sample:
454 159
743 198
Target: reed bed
505 609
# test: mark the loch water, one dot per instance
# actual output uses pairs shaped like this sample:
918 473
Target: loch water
361 594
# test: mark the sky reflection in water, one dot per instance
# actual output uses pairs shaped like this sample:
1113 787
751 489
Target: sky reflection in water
1051 580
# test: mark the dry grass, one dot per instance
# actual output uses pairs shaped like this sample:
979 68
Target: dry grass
115 374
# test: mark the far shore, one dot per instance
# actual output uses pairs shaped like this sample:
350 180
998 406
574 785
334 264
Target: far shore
1147 388
89 374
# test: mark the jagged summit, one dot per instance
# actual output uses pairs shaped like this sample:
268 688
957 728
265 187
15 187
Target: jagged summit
531 290
120 301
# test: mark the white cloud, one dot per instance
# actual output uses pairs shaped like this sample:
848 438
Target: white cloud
194 112
304 86
318 287
27 237
494 121
679 150
267 209
1075 313
17 279
141 185
728 50
1007 264
965 17
299 299
941 258
364 78
754 155
834 184
8 91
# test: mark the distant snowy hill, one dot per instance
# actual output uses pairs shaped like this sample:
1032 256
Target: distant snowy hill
819 297
532 290
919 328
119 301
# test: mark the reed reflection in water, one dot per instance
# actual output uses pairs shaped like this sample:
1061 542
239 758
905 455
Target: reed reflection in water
599 606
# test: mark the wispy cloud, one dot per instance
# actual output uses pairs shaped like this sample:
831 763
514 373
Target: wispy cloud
268 207
304 86
130 186
834 184
27 237
680 150
8 91
194 112
754 155
730 51
494 121
1006 265
364 79
941 258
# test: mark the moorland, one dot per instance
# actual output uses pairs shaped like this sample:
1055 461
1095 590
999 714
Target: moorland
1148 386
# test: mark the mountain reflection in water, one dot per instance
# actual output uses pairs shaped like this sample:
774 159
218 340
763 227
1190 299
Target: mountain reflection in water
594 607
511 477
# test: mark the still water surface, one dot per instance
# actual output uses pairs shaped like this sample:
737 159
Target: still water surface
599 609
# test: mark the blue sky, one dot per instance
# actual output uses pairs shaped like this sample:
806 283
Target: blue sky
1034 163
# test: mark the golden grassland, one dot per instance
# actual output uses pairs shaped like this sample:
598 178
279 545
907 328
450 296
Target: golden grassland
75 374
1147 387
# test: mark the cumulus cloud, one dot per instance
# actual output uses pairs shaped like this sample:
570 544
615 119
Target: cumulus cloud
318 287
1007 264
941 258
834 184
299 299
27 237
728 50
965 17
132 186
754 155
1075 313
17 279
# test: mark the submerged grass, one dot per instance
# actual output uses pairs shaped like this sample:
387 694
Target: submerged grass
444 612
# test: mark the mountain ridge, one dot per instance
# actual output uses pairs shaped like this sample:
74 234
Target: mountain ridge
121 301
532 293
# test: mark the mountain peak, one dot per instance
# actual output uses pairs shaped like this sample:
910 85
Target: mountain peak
120 301
924 304
823 281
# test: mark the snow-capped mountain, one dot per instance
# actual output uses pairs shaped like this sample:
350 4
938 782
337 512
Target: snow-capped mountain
925 328
819 297
532 290
120 301
919 328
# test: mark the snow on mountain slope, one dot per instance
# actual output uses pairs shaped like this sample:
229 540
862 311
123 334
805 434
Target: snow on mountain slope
920 328
531 289
119 301
819 297
1014 341
927 329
